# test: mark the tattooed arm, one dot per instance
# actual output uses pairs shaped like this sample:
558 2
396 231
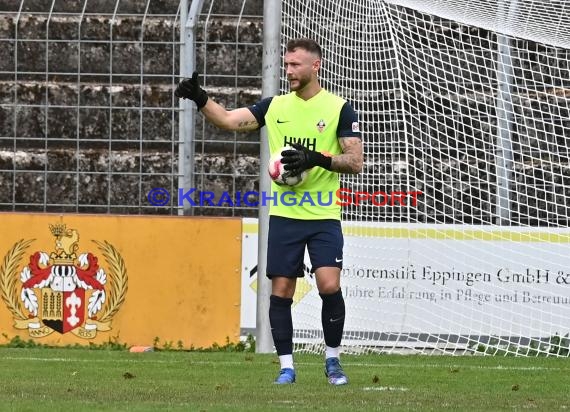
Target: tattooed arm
351 159
240 120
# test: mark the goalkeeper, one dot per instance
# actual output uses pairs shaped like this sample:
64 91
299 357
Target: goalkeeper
323 130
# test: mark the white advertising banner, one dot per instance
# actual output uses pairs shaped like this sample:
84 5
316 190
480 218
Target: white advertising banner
249 276
438 279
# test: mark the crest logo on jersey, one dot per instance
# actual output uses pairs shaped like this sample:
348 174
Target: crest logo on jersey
63 291
321 125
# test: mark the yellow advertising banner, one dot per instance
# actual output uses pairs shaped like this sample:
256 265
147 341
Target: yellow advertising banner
67 279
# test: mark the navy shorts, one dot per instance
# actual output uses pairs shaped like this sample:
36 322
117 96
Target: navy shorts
288 238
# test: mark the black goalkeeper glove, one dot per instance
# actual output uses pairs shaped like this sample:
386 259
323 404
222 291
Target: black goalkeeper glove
300 158
190 89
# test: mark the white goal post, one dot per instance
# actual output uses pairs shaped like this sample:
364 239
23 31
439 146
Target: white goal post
456 233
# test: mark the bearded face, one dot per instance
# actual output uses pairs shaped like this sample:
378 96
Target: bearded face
301 68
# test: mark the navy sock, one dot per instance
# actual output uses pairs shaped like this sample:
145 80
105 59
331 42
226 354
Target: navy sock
281 324
332 316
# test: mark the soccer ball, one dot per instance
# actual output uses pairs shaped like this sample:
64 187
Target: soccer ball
281 176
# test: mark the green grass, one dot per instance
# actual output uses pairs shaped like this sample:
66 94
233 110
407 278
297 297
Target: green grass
86 380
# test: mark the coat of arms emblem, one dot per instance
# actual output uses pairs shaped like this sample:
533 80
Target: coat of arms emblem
63 291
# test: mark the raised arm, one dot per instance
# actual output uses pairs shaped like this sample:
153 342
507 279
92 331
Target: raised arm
239 119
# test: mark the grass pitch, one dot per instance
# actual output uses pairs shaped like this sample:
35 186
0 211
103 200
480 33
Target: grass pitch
89 380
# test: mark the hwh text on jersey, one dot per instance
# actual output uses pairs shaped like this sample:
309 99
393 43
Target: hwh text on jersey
309 142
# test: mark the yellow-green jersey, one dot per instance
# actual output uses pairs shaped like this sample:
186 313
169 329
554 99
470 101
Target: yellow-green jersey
318 124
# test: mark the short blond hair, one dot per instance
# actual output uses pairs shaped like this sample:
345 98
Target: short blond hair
306 44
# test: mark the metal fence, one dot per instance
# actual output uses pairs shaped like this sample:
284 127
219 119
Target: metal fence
228 47
88 119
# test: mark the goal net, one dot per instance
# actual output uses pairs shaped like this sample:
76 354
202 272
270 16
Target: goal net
456 232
